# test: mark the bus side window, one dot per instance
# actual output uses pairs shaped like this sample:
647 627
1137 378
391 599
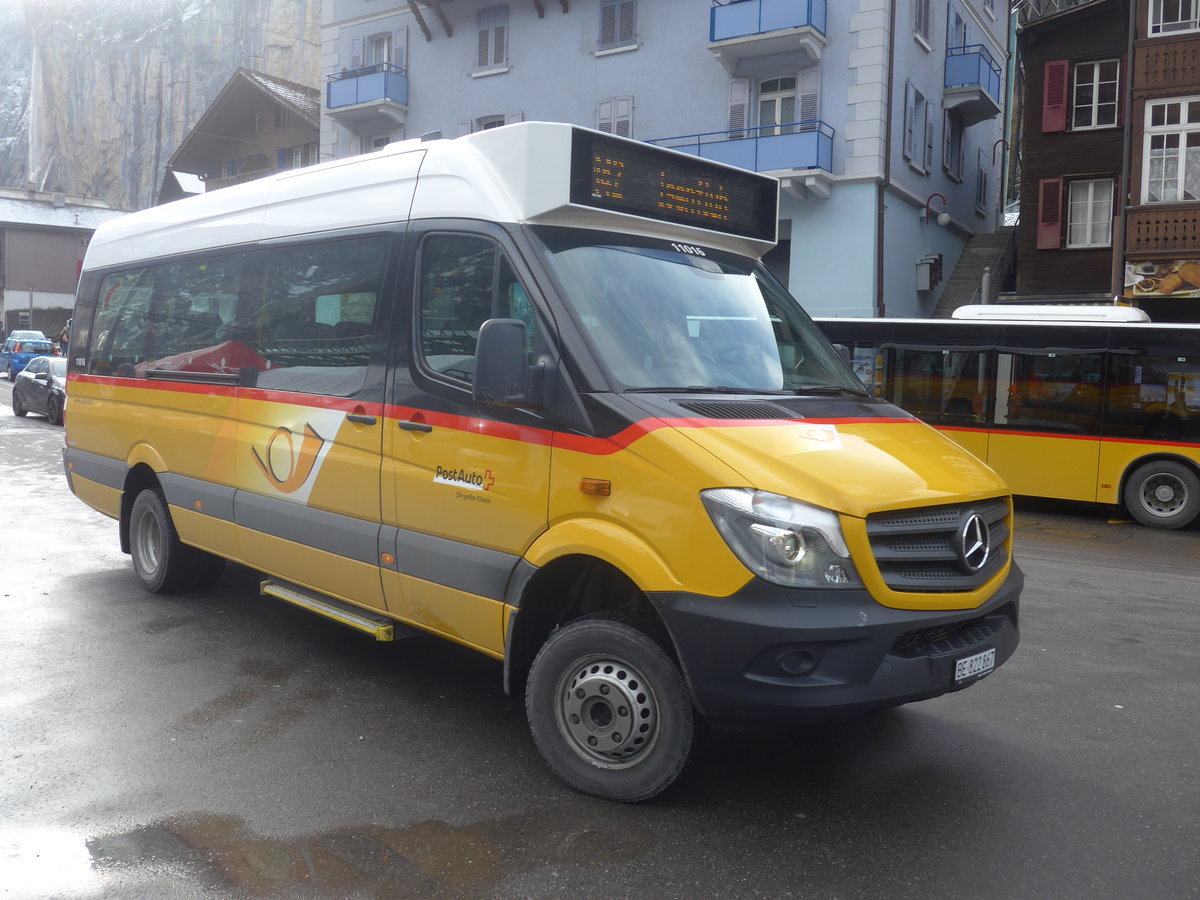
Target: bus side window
317 316
464 280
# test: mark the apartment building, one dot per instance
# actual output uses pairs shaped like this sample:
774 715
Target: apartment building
882 120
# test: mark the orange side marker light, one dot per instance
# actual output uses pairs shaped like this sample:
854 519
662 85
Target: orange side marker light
599 487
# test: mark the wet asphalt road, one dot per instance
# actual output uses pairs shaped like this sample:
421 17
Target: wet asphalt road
226 745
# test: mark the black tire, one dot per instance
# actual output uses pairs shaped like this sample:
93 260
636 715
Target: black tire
12 373
54 411
18 407
609 710
161 561
1163 494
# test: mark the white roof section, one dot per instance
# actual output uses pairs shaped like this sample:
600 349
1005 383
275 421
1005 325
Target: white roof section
516 174
41 212
1033 312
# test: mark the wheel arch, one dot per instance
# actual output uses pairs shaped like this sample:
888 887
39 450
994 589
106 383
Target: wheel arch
1160 456
569 588
140 477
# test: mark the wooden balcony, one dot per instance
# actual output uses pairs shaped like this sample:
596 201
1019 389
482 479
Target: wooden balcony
1163 231
1167 63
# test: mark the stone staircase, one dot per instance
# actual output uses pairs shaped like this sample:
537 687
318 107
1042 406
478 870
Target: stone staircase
981 251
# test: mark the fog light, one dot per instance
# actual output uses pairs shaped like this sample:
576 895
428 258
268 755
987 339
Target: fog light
835 574
797 662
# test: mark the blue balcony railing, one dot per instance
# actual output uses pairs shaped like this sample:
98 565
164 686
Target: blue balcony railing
367 84
742 18
768 148
973 66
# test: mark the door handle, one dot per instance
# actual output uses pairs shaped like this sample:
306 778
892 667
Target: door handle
361 418
409 425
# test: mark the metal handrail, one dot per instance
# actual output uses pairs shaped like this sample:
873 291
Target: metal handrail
367 70
821 128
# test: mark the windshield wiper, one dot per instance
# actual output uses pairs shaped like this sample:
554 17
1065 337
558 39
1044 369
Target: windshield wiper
830 390
705 389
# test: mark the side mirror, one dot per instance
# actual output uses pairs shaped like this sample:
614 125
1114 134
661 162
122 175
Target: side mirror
42 376
502 364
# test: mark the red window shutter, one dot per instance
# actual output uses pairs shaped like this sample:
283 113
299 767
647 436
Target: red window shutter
1049 225
1054 96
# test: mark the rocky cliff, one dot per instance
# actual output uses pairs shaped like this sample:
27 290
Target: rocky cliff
97 94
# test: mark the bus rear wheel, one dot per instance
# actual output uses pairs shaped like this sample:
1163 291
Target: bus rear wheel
1163 494
161 561
609 710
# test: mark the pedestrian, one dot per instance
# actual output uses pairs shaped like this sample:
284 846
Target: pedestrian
64 337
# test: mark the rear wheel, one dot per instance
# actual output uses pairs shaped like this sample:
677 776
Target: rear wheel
161 561
18 407
53 410
1163 494
609 710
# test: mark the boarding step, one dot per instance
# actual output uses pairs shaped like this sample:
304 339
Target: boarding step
379 626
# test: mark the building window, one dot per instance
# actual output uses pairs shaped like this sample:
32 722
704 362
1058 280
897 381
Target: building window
1089 213
283 116
922 18
1094 100
990 6
1171 16
484 123
954 150
981 182
615 116
1172 151
618 21
776 106
493 38
379 49
918 129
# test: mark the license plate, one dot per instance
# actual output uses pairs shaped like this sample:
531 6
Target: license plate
974 666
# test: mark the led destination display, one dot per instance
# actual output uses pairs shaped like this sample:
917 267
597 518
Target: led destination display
646 181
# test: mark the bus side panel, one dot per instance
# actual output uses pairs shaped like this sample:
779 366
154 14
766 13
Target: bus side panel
185 430
1058 467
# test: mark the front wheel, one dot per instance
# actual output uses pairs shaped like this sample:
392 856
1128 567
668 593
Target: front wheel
1163 494
18 407
609 710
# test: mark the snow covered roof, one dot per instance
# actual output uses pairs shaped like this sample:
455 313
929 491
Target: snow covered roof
43 213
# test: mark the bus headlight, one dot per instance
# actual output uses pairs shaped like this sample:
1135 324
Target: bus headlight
782 540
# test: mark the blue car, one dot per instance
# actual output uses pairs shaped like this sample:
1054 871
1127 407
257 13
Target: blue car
17 352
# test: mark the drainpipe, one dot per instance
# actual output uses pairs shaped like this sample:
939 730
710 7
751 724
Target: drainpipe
880 213
1121 224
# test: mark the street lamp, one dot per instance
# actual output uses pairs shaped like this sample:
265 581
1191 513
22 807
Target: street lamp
943 218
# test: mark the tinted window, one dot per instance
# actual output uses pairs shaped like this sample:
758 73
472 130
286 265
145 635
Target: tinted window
299 318
1154 387
464 281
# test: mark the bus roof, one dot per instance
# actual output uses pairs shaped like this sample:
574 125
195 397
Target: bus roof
529 172
1050 313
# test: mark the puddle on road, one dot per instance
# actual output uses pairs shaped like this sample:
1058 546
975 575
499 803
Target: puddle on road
425 859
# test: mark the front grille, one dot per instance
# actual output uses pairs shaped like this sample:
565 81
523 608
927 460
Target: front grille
953 638
921 550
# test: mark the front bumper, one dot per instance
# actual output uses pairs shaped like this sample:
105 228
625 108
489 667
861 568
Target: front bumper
775 655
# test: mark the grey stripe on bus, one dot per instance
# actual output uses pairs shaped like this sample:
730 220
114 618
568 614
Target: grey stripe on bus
100 469
216 499
345 536
464 567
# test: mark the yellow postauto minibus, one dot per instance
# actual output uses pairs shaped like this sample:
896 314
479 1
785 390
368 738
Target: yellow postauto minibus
531 390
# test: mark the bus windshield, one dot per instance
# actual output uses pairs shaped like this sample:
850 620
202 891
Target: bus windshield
671 316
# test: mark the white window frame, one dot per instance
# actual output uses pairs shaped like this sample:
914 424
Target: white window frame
1081 79
785 90
379 49
619 18
1173 17
615 116
923 19
1090 206
981 183
491 48
954 146
1186 113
